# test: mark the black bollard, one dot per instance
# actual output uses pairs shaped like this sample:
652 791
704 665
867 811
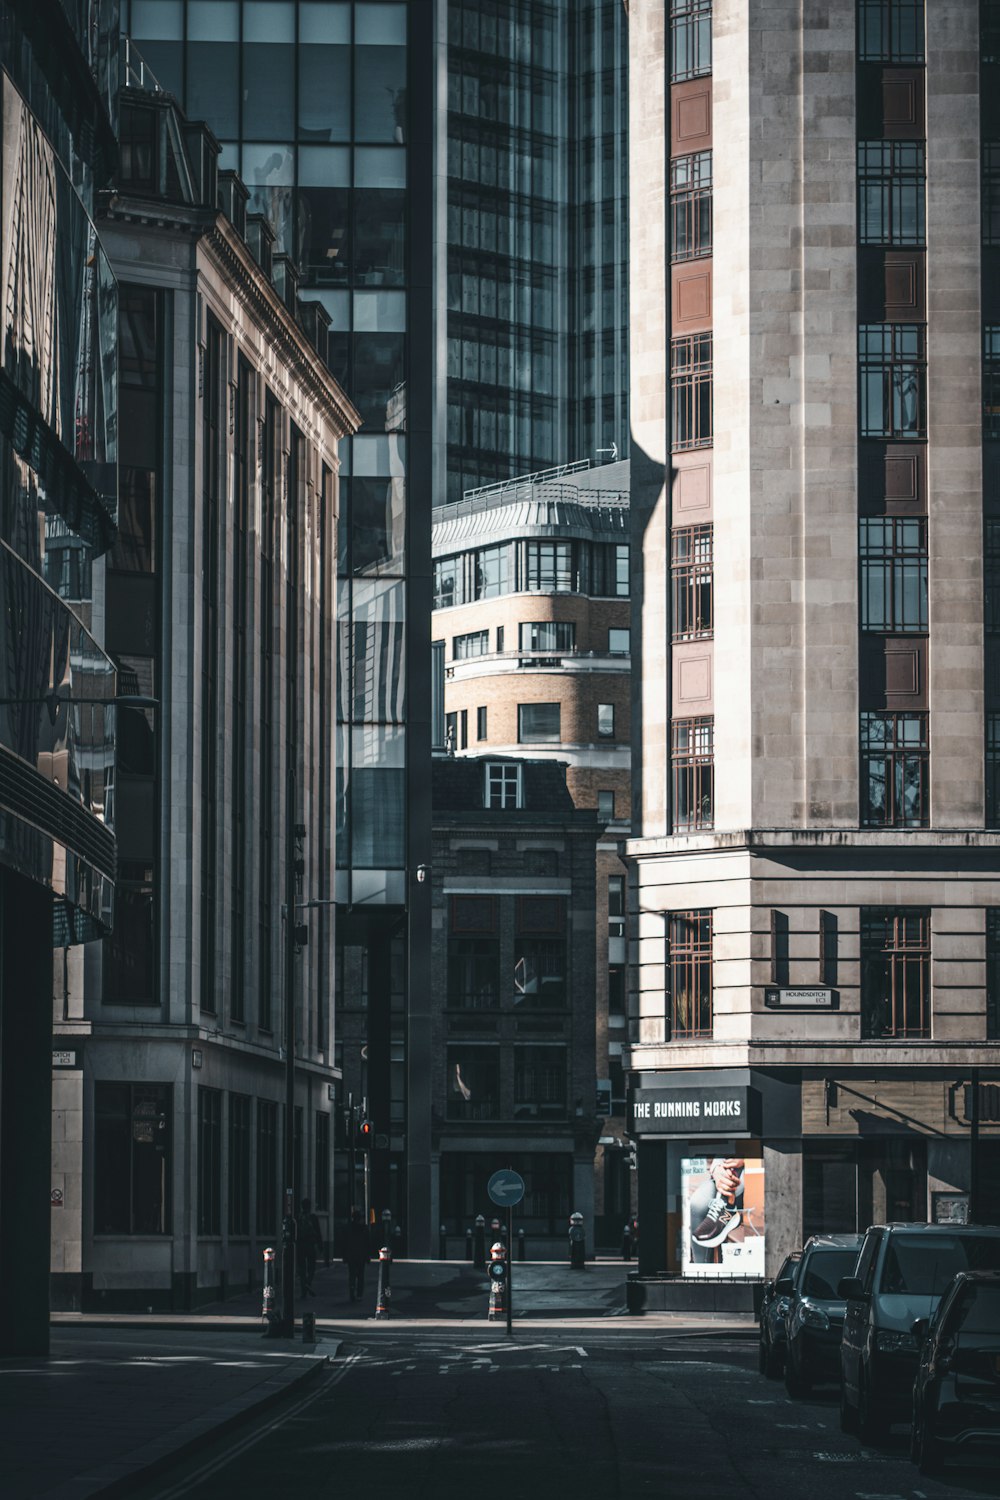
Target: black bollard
520 1244
577 1242
627 1242
443 1243
479 1256
468 1244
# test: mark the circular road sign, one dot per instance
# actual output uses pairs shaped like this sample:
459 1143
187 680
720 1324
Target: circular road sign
506 1188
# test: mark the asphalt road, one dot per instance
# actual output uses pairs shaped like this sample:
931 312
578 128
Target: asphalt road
584 1414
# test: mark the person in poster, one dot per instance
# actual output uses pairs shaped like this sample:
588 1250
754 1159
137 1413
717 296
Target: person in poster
723 1216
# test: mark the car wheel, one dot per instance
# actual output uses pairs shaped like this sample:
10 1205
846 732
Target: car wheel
775 1362
872 1424
795 1385
930 1458
848 1413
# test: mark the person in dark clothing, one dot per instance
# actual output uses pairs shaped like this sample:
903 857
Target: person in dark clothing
356 1254
308 1239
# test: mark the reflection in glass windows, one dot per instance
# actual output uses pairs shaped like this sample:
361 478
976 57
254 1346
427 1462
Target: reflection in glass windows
132 1158
895 973
891 193
377 797
993 770
895 783
129 969
538 723
993 973
549 567
991 192
892 380
378 373
548 635
473 643
473 1082
377 508
212 66
893 558
373 653
324 55
690 39
991 382
689 964
269 173
891 31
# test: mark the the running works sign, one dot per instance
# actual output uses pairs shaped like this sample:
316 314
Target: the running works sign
690 1111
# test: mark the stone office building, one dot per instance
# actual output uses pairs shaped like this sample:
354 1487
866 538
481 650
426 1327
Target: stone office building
217 602
815 466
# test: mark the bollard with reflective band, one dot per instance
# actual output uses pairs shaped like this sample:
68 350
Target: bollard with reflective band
577 1242
384 1290
498 1282
269 1311
520 1244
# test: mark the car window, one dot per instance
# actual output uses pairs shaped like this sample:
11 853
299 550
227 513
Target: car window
923 1265
866 1261
978 1311
787 1268
822 1271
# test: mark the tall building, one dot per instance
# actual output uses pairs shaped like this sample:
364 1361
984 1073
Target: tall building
327 110
531 655
816 852
218 602
537 280
58 499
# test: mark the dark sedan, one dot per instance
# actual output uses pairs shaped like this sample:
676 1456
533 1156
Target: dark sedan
771 1348
815 1315
956 1395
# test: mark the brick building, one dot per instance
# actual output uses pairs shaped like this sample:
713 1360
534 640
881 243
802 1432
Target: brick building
513 985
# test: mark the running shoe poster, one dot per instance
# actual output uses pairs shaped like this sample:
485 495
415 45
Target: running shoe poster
722 1232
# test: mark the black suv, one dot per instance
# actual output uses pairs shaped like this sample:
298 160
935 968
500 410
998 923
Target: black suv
956 1395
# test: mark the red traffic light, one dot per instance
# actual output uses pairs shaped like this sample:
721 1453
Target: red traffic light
365 1132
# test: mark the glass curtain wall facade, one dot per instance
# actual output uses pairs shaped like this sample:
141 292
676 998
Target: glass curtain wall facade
537 310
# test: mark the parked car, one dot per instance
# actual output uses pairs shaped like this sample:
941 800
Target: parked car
815 1314
956 1395
903 1272
771 1346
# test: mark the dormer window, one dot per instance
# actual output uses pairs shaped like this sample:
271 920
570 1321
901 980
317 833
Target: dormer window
504 785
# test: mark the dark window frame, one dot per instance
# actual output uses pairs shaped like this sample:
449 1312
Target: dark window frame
892 193
690 970
895 754
690 39
691 206
692 773
892 380
691 402
895 973
692 582
209 1162
892 551
890 31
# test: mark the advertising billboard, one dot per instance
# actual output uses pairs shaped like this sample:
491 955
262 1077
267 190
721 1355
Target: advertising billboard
722 1219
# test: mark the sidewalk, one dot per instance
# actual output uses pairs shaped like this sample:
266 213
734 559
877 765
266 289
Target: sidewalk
111 1406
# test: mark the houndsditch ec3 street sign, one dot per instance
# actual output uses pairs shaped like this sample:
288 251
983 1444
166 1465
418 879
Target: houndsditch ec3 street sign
506 1188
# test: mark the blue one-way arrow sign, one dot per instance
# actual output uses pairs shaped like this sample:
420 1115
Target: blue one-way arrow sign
506 1188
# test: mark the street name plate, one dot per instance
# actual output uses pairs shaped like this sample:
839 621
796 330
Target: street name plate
776 998
506 1188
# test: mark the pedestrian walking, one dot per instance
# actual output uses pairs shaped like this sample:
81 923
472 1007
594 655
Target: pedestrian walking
308 1239
357 1254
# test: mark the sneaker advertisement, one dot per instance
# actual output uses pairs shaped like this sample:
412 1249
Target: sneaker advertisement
722 1228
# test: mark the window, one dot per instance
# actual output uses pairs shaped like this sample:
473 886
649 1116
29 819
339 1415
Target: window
690 39
619 641
606 807
991 382
451 732
132 1158
891 31
448 582
895 787
895 973
691 206
993 770
480 723
476 643
621 570
321 1186
209 1161
499 638
473 973
503 785
549 567
991 192
616 905
267 1166
473 1082
893 557
691 582
691 391
239 1164
130 951
989 21
616 990
540 953
540 1082
693 774
689 964
538 723
491 572
606 720
463 729
993 974
548 635
892 380
891 177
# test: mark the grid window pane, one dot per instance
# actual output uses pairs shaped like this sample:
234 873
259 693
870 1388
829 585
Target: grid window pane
895 766
538 723
689 959
503 785
892 380
691 391
539 1082
991 382
692 770
690 39
473 1082
891 31
691 580
993 974
891 193
475 643
893 559
691 206
895 973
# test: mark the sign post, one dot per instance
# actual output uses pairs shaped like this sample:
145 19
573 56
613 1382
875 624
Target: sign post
506 1188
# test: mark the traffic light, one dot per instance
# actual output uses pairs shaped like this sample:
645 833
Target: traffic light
633 1156
366 1135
